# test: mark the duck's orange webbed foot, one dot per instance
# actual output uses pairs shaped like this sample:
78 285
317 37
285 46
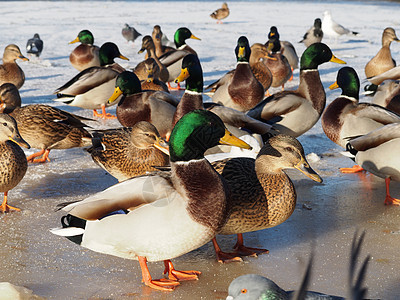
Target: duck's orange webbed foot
32 158
354 169
4 207
223 257
163 284
103 114
242 250
389 200
174 274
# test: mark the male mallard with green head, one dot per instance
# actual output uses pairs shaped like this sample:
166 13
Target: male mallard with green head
13 164
92 87
186 212
295 112
86 55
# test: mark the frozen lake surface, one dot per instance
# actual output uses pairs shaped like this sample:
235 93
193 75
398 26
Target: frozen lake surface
326 215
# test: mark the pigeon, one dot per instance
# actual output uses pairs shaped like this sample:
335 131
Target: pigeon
130 33
34 46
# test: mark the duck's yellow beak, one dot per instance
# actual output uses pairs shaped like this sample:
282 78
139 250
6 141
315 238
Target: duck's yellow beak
304 167
231 140
23 58
75 41
16 138
334 86
141 50
270 57
241 52
115 95
161 145
337 60
123 57
194 37
183 76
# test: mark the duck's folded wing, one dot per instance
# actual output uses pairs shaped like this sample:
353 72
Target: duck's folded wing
87 80
172 57
127 195
276 105
223 80
376 137
167 97
393 73
376 113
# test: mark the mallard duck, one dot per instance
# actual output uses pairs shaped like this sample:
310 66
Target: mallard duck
13 164
157 36
346 118
172 60
383 60
85 55
34 46
156 107
240 89
258 67
148 73
280 67
9 70
221 13
92 87
295 112
130 33
388 95
44 127
184 213
149 47
253 286
333 29
376 152
128 152
314 34
257 185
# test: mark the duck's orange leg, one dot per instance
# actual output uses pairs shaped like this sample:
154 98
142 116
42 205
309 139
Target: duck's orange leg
162 284
242 250
179 275
224 257
103 114
390 200
177 88
5 207
44 158
291 77
354 169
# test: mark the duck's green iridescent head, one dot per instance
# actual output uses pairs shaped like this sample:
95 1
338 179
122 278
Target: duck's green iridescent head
108 51
196 132
181 35
192 72
242 50
347 79
317 54
127 83
85 37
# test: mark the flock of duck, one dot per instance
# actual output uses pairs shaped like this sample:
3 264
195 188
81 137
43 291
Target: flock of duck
196 200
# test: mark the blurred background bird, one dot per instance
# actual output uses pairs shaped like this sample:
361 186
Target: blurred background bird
130 33
34 46
221 13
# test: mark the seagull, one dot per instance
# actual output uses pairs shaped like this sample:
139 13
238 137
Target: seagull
34 46
314 34
333 29
130 33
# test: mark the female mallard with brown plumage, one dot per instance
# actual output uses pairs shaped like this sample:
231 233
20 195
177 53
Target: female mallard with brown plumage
240 89
92 87
44 127
9 70
221 13
86 55
295 112
148 73
157 36
261 194
13 164
129 152
258 67
383 60
131 220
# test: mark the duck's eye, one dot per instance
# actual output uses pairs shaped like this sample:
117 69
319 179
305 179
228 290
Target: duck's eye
243 291
5 124
289 149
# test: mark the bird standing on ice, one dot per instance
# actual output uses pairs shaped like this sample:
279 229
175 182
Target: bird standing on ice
332 29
